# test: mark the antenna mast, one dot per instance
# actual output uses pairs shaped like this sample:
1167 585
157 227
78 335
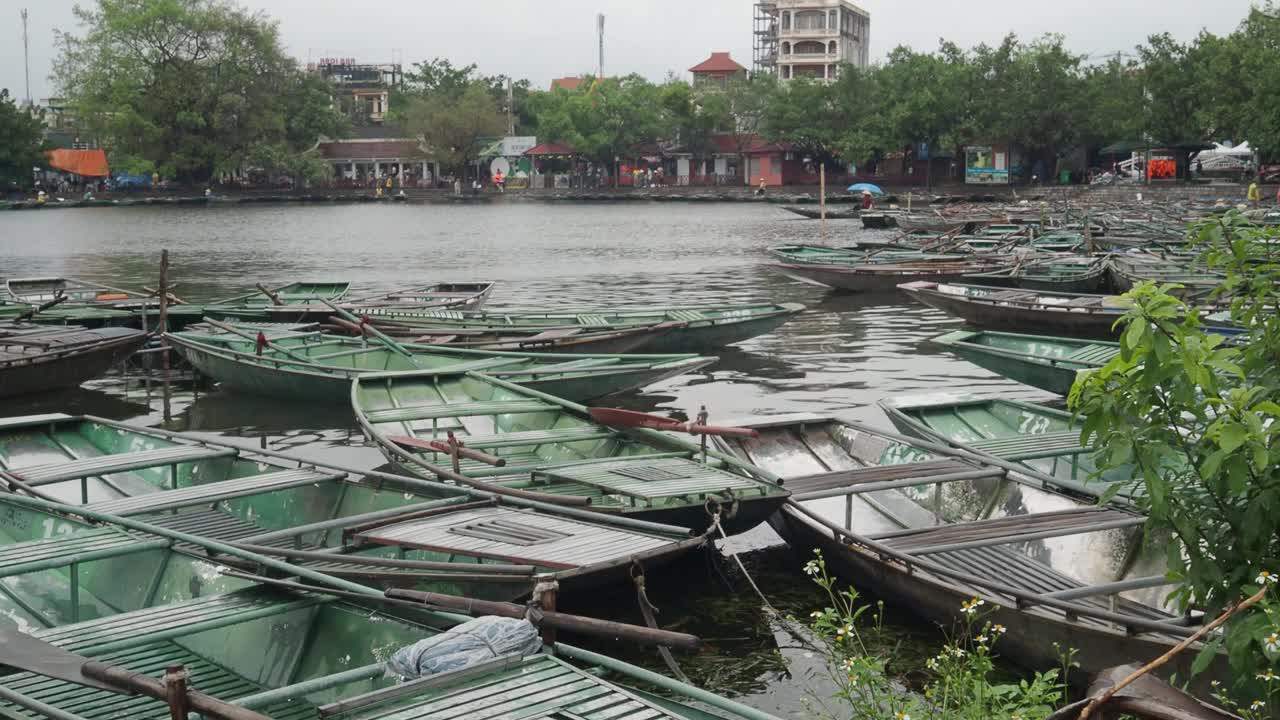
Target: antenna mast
26 62
600 33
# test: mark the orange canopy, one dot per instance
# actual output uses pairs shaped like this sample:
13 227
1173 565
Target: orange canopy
87 163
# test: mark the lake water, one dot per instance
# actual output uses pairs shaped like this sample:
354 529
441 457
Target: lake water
845 353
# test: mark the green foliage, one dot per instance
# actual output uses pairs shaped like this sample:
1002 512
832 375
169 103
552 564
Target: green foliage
453 130
438 80
1196 415
188 86
960 677
603 120
20 140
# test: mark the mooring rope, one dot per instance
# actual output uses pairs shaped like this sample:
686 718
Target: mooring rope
648 610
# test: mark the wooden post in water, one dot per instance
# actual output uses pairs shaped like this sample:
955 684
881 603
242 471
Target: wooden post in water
162 324
175 687
544 594
822 200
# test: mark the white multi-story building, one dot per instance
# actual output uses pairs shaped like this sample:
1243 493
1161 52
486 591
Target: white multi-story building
810 38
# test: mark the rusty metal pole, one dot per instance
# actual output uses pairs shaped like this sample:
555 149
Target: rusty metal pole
822 199
163 321
175 688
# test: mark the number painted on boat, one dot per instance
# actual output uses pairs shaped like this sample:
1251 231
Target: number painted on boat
53 527
1033 425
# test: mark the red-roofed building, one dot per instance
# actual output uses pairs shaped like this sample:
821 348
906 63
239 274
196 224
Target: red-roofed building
717 70
566 83
379 152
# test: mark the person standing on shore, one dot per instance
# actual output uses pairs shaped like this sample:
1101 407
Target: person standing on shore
1254 196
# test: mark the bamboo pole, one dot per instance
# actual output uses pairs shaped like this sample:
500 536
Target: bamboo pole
822 200
164 308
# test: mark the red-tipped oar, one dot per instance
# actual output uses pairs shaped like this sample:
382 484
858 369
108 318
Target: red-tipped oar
444 447
613 417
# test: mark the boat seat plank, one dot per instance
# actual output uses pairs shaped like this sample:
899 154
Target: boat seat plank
1007 295
1079 519
122 462
1087 301
1094 354
212 525
539 437
1025 447
210 493
572 365
516 536
652 479
83 546
687 315
429 412
592 319
878 473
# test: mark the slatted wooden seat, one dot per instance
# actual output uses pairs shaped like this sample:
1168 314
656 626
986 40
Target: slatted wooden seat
538 437
541 687
570 366
429 412
1087 301
1007 295
514 536
1094 354
648 480
1028 447
83 546
878 473
1066 522
687 315
211 525
210 493
122 462
592 319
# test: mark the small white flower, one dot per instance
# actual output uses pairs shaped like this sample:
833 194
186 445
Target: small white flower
1267 676
1272 643
999 629
971 606
1265 577
901 716
815 614
931 663
847 664
1256 705
981 639
958 652
811 567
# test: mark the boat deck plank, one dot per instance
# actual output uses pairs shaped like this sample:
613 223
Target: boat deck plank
1022 447
515 535
210 493
68 549
121 462
428 412
651 479
1079 519
877 473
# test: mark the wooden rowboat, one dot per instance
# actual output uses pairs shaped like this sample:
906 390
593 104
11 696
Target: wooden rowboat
1039 438
317 366
1048 363
372 527
275 648
909 222
1072 314
447 295
534 442
38 358
1127 271
929 529
814 213
1067 274
880 219
294 302
664 330
35 291
887 277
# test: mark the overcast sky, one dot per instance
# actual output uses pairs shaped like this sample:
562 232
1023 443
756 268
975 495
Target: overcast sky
544 39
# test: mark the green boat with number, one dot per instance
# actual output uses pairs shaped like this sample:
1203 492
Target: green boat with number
1041 439
690 329
283 304
543 444
313 366
1068 274
1041 361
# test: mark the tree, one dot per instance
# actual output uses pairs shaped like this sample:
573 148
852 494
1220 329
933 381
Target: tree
190 86
453 131
438 80
693 115
746 100
20 140
1198 419
803 113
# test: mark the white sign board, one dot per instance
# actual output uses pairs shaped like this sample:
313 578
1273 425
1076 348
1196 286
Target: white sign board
516 145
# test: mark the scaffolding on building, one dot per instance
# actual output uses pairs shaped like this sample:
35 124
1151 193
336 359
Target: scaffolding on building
765 38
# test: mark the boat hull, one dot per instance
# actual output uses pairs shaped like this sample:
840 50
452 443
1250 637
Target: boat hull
1036 640
1050 378
68 368
847 279
1013 318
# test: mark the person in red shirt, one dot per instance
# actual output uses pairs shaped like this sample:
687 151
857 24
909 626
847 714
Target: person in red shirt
867 202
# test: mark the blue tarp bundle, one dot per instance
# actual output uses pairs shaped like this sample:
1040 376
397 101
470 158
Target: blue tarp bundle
470 643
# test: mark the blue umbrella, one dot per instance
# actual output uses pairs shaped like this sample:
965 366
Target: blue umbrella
868 187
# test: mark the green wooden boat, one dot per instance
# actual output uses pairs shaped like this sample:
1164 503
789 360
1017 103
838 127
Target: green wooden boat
1048 363
38 290
927 530
1068 274
376 528
855 256
686 329
294 298
1129 270
551 446
293 655
316 366
1042 439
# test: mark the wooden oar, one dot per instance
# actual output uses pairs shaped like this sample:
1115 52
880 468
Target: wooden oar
259 338
368 328
25 652
614 417
275 297
448 449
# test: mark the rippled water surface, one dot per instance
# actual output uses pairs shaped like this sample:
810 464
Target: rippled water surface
843 354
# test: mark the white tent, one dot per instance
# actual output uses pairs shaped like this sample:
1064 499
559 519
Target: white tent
1225 156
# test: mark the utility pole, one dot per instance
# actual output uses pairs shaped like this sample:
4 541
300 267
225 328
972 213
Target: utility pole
511 102
600 33
26 52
